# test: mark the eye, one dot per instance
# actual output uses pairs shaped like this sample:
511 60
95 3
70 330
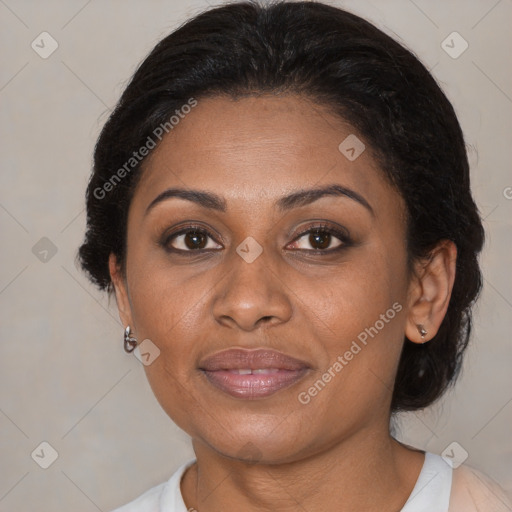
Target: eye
322 239
190 239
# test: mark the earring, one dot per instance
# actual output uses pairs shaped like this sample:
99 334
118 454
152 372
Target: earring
129 341
422 331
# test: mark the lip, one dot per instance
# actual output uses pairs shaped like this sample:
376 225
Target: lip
273 371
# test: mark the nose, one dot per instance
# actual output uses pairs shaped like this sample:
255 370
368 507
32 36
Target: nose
252 294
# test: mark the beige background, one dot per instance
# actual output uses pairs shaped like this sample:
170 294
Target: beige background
65 378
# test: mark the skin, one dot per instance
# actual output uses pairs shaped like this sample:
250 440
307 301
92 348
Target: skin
334 453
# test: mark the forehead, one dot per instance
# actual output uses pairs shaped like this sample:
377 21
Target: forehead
259 148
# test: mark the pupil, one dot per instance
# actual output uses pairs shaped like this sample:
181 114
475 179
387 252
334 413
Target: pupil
195 239
320 238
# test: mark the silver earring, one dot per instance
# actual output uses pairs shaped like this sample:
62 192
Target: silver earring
129 341
422 331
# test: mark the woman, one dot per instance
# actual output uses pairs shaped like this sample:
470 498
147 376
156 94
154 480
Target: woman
280 202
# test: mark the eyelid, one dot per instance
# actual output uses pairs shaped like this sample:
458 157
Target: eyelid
167 237
337 231
325 226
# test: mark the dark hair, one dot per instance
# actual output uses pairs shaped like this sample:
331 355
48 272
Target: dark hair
336 59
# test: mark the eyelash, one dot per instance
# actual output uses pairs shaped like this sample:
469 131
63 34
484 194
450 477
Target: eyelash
327 229
323 228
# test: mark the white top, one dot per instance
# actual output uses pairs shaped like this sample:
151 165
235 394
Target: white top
433 491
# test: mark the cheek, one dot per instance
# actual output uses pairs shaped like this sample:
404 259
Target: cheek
164 298
353 297
357 314
169 310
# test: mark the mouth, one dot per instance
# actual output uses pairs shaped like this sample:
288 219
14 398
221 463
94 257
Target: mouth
252 374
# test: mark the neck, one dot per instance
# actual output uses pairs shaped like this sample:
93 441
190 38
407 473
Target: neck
367 472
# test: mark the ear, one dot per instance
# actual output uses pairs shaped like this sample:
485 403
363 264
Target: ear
430 291
121 290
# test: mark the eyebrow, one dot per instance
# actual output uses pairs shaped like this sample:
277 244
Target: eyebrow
304 197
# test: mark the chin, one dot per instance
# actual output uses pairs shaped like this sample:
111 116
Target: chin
261 443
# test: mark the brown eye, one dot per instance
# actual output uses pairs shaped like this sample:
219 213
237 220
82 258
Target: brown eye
320 239
190 240
195 240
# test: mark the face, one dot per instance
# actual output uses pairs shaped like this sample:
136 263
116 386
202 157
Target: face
328 279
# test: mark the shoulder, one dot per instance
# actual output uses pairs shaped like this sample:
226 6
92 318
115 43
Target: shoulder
147 502
472 491
163 497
